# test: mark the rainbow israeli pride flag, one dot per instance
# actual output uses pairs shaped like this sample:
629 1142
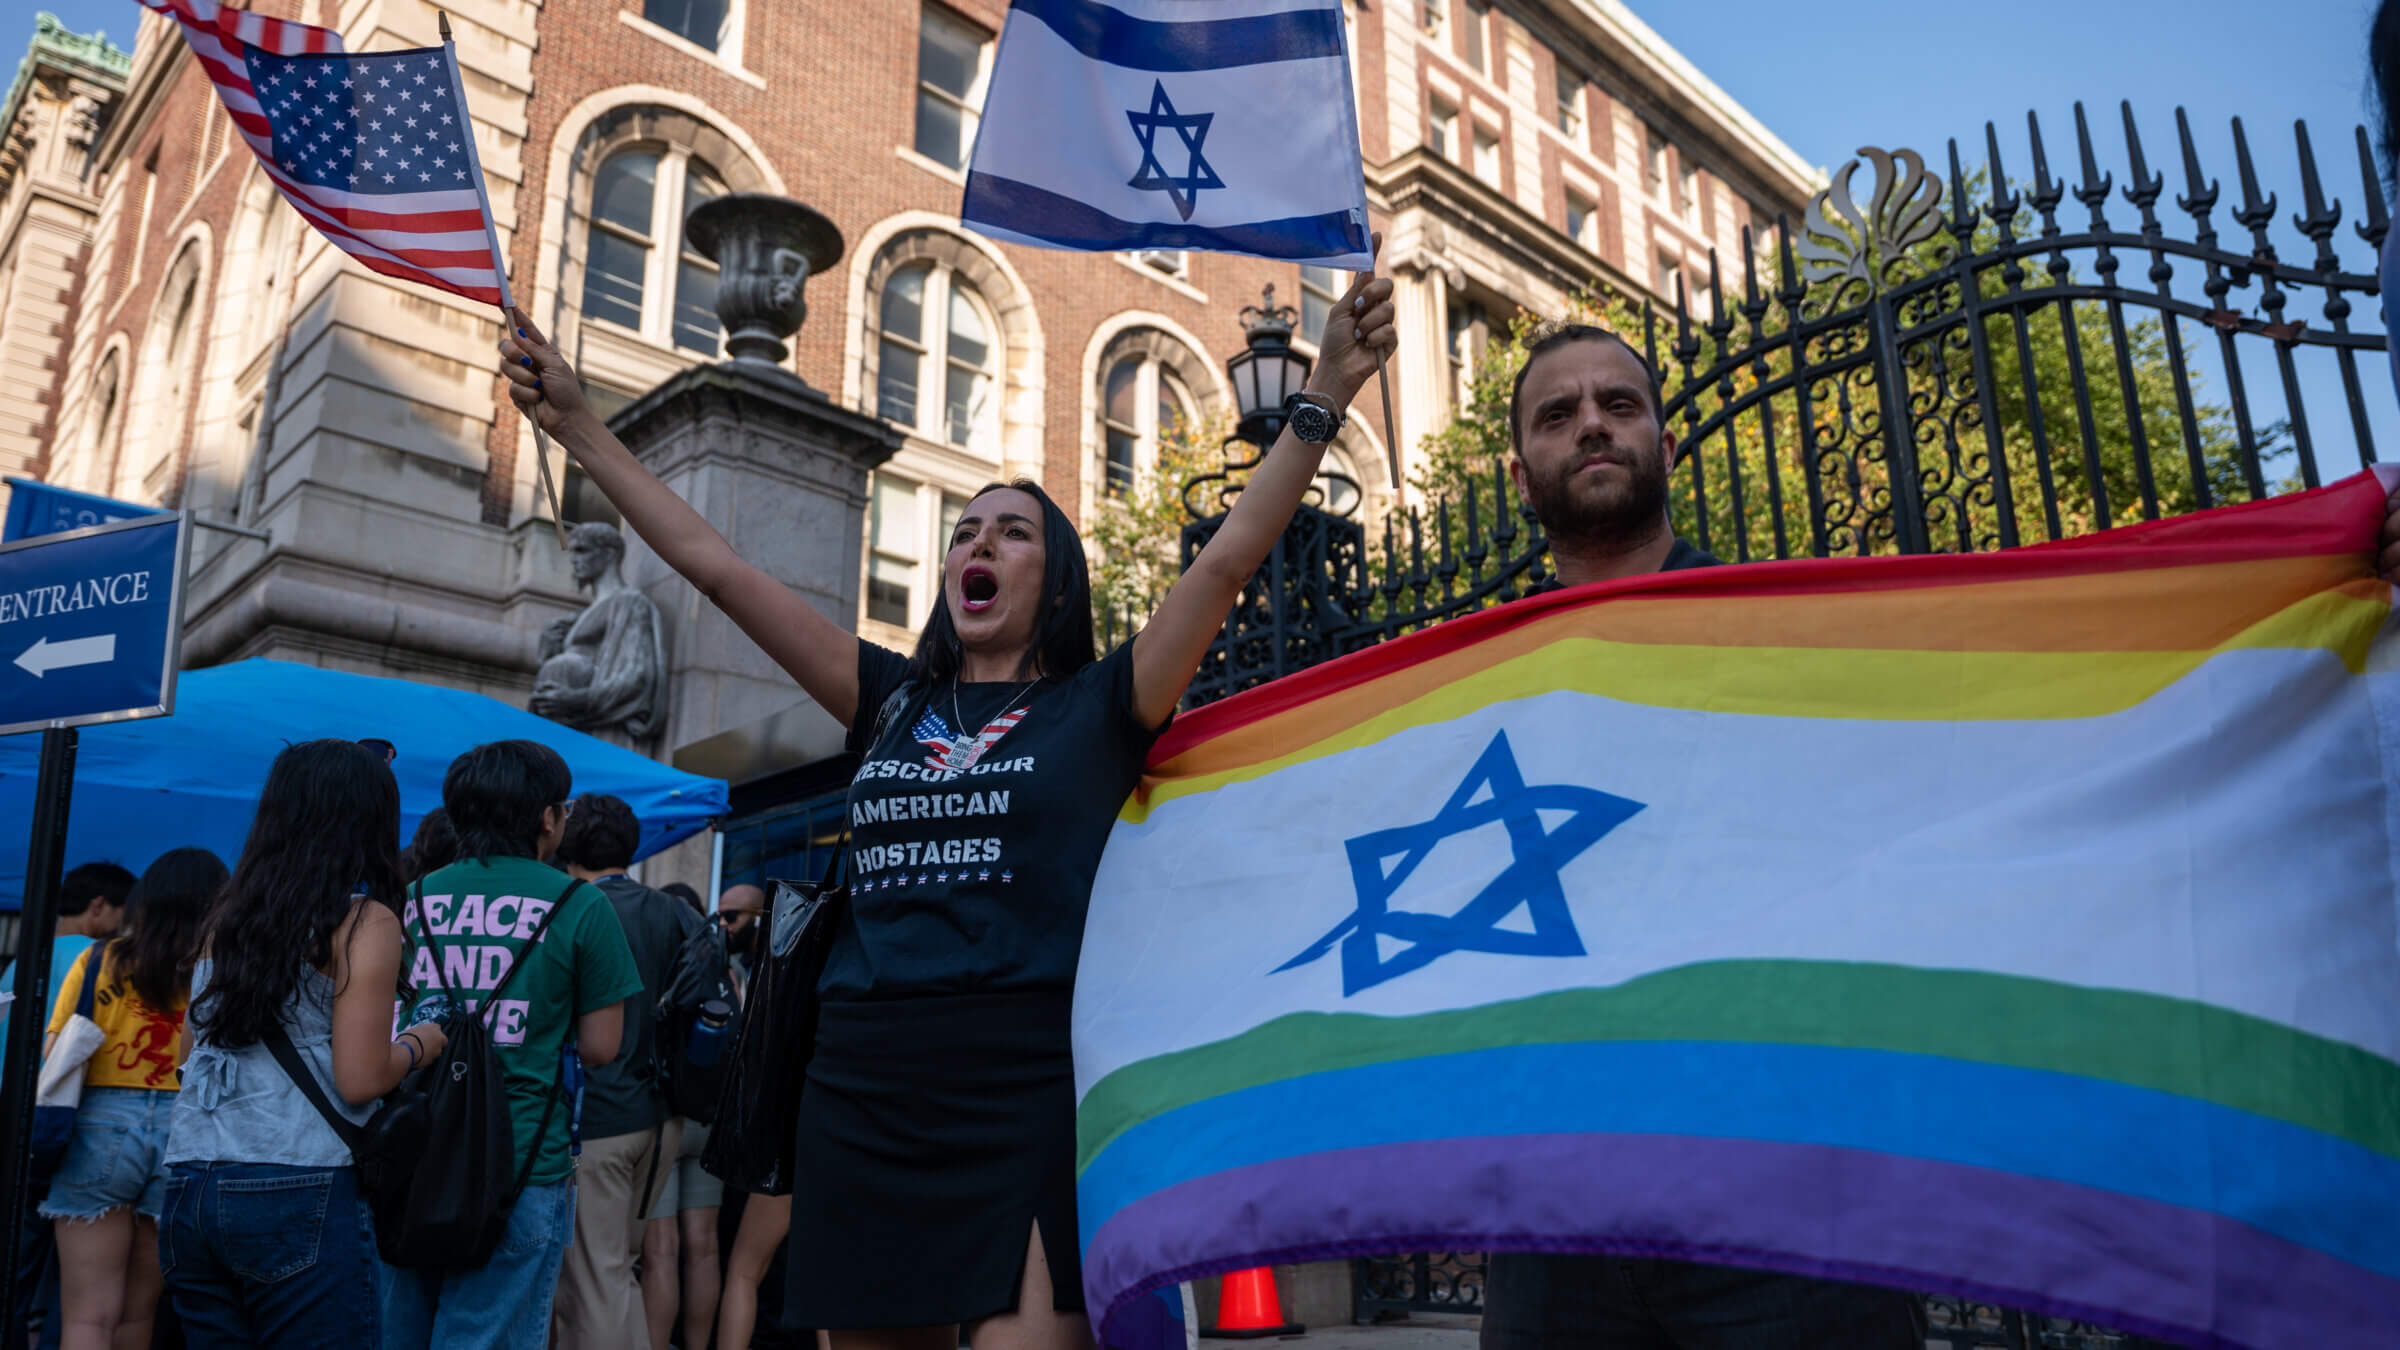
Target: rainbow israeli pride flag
2015 925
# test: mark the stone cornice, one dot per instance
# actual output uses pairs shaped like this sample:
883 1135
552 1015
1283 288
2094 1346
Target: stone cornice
738 391
1424 181
151 77
1610 31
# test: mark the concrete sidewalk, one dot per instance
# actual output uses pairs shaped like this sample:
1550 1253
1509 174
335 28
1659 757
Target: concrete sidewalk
1422 1331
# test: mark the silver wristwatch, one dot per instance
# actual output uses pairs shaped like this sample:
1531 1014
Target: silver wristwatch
1312 417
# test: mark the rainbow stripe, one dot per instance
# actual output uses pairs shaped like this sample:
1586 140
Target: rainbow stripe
2023 925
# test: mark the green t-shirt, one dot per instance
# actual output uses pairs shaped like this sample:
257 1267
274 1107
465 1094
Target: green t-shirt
477 919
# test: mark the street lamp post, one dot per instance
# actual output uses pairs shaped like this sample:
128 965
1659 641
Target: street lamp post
1282 620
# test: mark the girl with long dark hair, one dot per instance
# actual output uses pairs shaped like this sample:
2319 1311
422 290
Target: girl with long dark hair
265 1238
105 1201
937 1127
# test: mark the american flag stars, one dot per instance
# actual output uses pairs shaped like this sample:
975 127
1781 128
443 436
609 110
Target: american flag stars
329 120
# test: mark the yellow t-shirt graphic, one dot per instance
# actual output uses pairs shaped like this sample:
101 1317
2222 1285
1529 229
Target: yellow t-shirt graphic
144 1044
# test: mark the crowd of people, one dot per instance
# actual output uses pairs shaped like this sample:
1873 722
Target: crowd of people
201 1200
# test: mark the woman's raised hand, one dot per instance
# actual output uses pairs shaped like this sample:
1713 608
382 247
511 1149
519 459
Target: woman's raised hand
539 379
1359 334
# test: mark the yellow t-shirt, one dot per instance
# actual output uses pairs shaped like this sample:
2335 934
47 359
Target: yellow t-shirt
144 1045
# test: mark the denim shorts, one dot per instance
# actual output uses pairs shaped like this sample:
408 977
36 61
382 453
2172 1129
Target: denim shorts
113 1159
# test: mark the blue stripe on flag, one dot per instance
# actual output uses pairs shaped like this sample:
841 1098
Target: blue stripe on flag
1113 36
1021 208
2111 1136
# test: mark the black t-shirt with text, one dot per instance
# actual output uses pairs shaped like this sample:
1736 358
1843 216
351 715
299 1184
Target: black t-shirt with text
972 853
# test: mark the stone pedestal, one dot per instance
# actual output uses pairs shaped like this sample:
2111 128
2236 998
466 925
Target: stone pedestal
780 471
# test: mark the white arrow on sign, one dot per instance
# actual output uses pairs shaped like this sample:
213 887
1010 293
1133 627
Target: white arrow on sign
45 656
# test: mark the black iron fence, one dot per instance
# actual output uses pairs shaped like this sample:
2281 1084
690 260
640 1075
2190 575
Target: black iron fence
1957 364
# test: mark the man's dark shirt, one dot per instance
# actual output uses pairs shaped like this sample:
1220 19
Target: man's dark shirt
1681 556
622 1096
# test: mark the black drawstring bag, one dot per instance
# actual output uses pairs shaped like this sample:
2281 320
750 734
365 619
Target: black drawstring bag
754 1144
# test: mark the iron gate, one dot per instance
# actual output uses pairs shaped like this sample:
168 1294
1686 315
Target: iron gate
1947 367
2038 390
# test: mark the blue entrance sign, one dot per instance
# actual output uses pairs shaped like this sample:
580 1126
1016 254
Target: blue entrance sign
41 508
90 622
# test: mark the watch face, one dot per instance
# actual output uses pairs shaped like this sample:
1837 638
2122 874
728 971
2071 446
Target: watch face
1312 423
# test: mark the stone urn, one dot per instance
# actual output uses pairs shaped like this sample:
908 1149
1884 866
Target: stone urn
765 248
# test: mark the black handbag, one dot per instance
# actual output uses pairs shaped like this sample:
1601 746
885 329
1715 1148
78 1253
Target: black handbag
754 1144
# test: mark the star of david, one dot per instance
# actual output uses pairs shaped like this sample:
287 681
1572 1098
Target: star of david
1152 176
1494 791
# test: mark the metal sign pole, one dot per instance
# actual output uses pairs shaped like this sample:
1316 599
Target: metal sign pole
45 857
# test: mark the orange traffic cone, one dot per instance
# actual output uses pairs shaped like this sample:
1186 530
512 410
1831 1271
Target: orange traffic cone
1249 1309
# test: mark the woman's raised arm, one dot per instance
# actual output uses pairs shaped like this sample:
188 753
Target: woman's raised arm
1358 334
817 652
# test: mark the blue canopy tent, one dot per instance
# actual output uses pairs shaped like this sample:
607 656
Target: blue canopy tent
142 788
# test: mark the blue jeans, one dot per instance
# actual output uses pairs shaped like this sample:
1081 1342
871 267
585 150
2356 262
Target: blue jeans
258 1254
113 1159
504 1304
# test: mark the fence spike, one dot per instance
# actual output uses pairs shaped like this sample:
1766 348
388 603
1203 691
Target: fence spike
1447 567
1962 211
2143 191
2005 201
2047 191
1650 333
2202 200
2321 220
2378 221
1791 292
1720 320
1504 518
1687 347
1476 552
1753 304
2255 212
2096 186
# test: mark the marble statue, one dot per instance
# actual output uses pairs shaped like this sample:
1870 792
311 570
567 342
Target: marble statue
605 669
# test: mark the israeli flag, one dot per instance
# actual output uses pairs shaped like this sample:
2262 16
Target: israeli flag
1224 125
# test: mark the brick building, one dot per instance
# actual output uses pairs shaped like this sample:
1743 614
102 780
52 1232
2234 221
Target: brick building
206 350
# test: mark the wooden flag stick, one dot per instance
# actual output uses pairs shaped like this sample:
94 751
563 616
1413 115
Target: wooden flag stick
508 304
1383 384
1391 433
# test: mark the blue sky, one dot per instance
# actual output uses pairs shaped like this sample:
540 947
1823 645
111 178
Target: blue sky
1831 77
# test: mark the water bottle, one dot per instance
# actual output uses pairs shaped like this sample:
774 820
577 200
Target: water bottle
707 1043
431 1008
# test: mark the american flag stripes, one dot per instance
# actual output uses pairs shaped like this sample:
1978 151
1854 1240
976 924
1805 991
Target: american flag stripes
374 150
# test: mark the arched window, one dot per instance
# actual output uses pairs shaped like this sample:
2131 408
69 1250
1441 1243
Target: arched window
938 358
105 397
1338 483
1140 401
639 272
180 330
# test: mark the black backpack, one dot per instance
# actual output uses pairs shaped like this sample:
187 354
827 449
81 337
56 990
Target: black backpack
699 977
435 1163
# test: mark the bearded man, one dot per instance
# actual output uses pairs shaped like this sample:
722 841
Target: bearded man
1591 459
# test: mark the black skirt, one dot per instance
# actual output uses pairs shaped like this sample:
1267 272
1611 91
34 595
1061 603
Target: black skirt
934 1133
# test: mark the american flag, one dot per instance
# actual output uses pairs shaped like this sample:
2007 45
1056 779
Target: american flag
375 150
958 754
